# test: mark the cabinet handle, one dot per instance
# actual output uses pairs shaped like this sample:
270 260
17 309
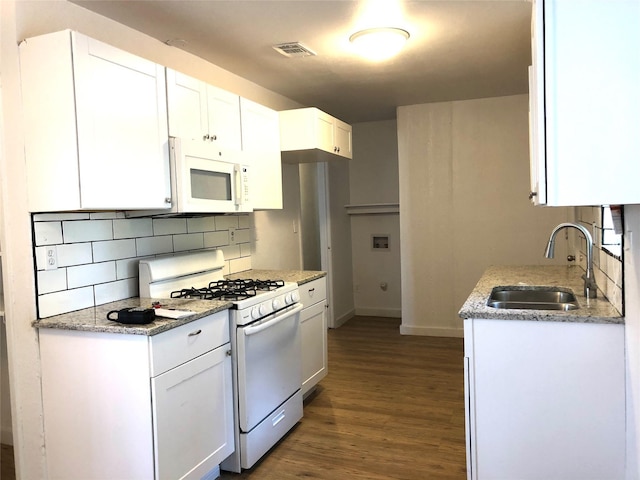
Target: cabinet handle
167 200
532 194
214 137
206 137
197 332
228 353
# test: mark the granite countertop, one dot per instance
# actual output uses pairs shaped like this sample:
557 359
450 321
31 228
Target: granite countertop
298 276
95 319
592 310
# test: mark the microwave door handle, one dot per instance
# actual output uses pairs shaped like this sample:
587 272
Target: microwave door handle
237 178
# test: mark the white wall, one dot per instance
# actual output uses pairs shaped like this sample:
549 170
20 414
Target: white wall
373 178
340 244
277 242
21 19
464 181
632 333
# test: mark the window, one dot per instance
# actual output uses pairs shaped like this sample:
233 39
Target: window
612 230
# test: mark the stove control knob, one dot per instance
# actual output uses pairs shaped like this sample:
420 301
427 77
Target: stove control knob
255 313
295 297
276 304
263 310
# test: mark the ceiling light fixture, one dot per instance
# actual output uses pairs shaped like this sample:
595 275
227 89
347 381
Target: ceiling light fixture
379 43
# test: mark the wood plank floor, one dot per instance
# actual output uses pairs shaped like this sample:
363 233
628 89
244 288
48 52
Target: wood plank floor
391 407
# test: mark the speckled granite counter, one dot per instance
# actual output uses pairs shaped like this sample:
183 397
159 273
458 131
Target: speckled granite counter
298 276
95 319
597 310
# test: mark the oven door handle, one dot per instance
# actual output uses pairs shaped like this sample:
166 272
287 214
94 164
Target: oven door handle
277 319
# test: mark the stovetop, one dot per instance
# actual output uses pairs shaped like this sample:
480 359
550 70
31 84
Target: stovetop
231 290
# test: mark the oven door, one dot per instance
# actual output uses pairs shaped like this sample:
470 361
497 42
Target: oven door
269 359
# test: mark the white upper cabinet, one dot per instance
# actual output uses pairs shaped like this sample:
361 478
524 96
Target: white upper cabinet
199 111
311 135
261 147
95 121
585 102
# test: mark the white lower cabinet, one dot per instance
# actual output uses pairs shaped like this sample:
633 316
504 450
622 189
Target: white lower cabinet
313 325
138 407
544 400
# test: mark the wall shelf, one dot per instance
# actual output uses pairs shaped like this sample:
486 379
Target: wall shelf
373 209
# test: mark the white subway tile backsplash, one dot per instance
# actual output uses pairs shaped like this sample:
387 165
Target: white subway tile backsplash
113 291
47 217
105 215
87 230
201 224
52 280
74 254
51 304
231 251
47 233
114 250
169 226
127 268
225 222
216 239
244 221
245 249
99 253
190 241
243 236
607 269
132 228
154 245
91 274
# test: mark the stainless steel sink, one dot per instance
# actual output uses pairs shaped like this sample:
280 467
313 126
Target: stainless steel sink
533 298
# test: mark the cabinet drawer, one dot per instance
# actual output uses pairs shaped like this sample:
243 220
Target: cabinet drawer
313 292
181 344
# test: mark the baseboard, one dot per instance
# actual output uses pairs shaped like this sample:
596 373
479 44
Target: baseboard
338 322
6 436
379 312
431 331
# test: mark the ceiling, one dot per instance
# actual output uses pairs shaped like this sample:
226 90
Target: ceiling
457 50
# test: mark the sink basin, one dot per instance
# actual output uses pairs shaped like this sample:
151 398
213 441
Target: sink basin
533 298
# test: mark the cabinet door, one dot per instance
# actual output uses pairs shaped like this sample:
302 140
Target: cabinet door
548 400
193 416
187 99
537 148
313 326
261 144
122 128
342 134
325 131
592 100
224 118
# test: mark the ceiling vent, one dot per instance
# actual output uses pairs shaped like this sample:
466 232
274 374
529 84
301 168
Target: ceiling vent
294 49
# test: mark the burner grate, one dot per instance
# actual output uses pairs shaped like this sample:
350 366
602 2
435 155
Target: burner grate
229 289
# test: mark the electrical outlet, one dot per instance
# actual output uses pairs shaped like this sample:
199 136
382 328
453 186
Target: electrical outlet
232 236
51 258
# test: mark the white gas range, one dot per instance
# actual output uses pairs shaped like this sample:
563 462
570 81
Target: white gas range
265 344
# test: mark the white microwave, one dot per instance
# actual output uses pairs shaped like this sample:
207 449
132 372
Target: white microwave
205 180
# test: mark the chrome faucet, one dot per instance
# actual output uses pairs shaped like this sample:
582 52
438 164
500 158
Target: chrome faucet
590 287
